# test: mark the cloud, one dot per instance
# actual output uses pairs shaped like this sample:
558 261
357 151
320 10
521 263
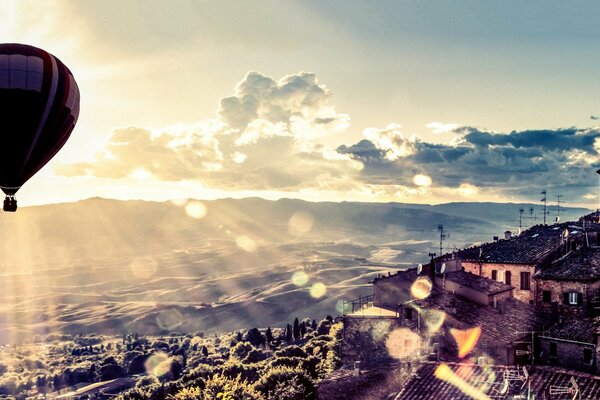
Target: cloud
268 136
518 164
439 128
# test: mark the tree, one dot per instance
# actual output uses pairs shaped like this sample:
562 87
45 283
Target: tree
286 383
269 335
314 325
222 388
240 351
296 330
288 333
254 337
204 351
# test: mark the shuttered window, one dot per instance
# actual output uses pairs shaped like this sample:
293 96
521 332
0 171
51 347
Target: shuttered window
525 281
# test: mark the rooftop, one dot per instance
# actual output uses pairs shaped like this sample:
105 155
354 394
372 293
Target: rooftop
497 382
530 247
505 324
581 264
479 283
578 330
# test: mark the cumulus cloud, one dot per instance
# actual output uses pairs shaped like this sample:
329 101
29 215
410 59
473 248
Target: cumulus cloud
270 135
519 163
439 127
266 137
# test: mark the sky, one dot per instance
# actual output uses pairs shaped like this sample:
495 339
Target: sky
406 101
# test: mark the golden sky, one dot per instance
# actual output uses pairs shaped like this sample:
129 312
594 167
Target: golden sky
368 101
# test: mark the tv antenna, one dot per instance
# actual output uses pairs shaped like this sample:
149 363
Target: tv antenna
521 211
558 201
545 200
443 236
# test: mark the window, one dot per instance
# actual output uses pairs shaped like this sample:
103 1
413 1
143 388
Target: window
546 296
572 298
500 276
409 313
553 350
587 356
494 274
507 278
525 278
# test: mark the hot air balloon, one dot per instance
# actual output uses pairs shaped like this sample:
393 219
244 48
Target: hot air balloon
39 106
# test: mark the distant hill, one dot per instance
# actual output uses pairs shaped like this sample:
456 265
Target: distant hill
113 266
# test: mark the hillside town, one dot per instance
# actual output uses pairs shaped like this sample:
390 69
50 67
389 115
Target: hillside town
516 317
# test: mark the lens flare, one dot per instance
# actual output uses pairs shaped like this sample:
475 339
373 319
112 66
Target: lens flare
445 373
422 180
434 319
158 364
403 343
179 202
195 209
300 278
318 290
143 267
421 288
301 223
169 319
466 339
342 307
245 243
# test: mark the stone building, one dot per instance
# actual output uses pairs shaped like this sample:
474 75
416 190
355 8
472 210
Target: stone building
435 380
571 285
516 259
571 344
457 300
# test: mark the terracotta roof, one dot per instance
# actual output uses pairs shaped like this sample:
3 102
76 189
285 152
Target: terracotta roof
503 323
581 264
579 330
479 283
530 247
490 379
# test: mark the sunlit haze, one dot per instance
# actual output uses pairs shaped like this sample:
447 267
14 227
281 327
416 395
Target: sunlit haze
422 102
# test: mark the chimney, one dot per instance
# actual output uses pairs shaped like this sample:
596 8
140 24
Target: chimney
495 238
507 235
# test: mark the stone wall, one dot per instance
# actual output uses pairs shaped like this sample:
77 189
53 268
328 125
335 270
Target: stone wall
515 270
557 288
568 355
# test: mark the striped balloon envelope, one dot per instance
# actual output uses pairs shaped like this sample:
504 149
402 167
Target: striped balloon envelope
39 106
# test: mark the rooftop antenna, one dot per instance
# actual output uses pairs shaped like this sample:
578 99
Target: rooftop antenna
521 211
443 236
558 201
598 172
545 204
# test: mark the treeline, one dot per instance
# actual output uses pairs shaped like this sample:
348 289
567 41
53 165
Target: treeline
260 365
278 363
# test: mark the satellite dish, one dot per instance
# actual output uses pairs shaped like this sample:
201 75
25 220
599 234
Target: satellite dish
556 219
419 269
518 231
443 268
566 233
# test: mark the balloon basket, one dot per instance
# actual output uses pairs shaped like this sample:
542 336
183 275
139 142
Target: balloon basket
10 204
